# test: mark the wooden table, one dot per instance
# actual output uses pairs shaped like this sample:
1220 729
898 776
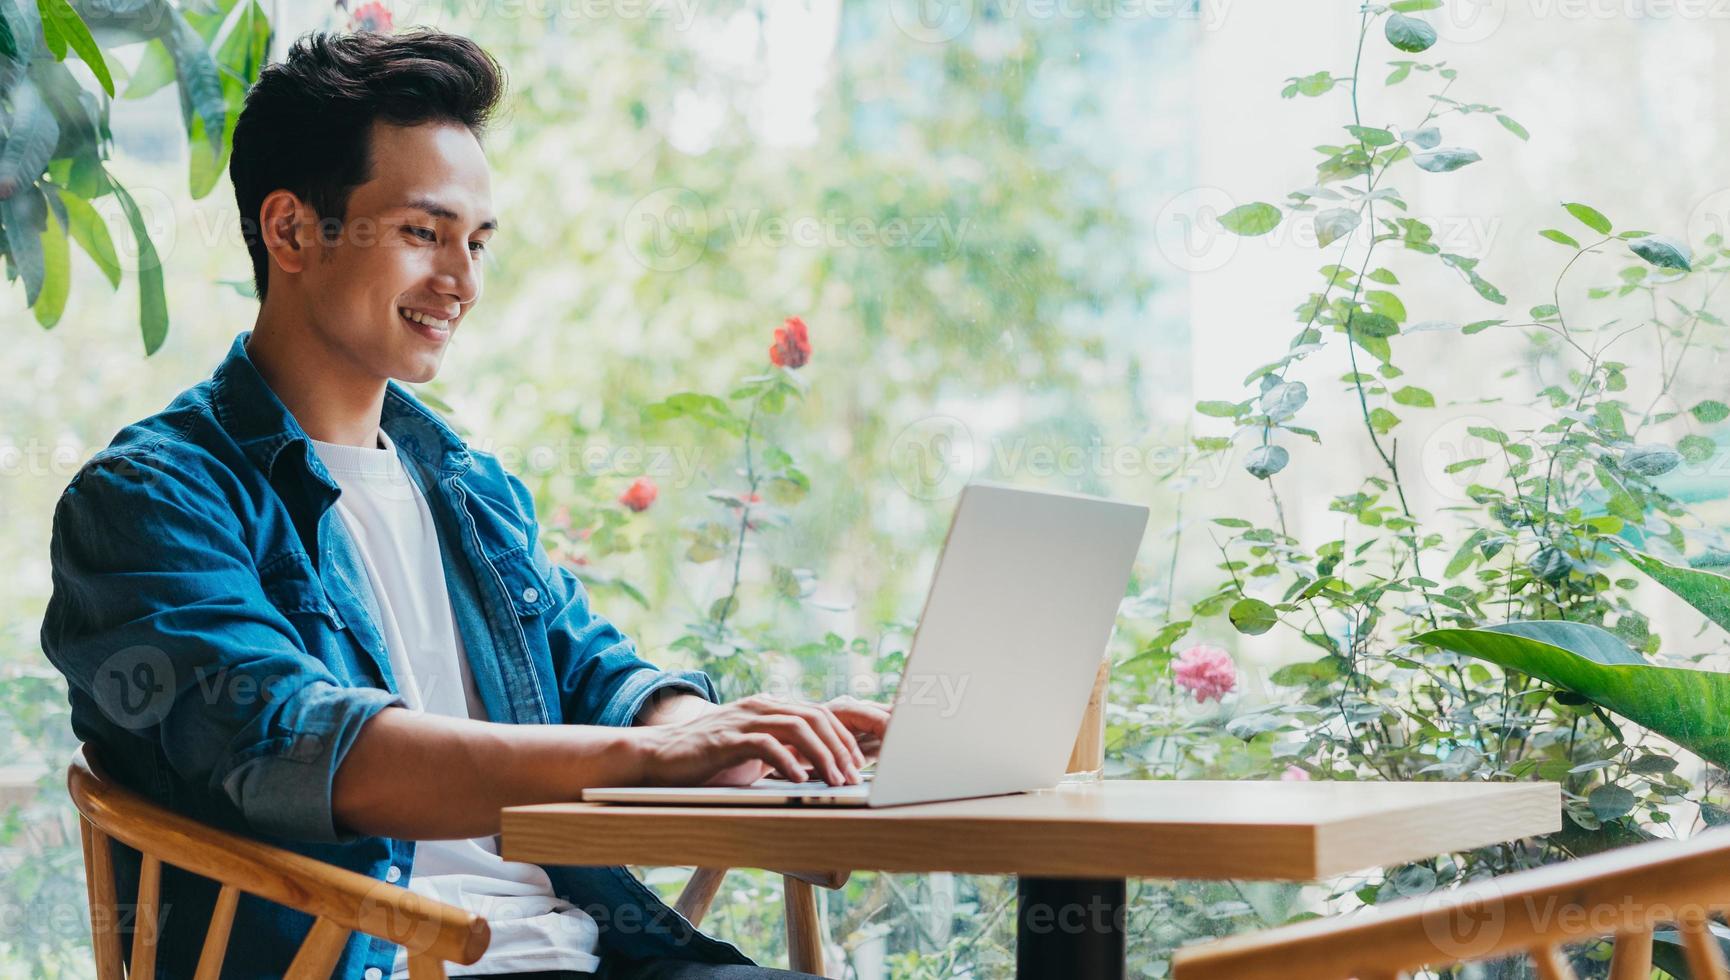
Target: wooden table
1073 847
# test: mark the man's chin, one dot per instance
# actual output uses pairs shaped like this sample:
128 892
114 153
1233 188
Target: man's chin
420 369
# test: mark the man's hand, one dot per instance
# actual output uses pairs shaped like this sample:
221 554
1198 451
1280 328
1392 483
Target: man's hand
737 744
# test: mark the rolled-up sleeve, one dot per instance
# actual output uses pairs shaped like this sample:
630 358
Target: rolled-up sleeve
160 618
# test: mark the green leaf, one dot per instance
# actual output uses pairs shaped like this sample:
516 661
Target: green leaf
1427 138
200 81
1252 617
1610 802
1710 411
1374 325
1652 460
1335 224
1409 33
91 233
205 165
1590 217
1689 707
1383 420
1665 253
1371 136
1264 461
1513 127
155 71
60 21
1560 237
57 273
1466 554
1706 591
1219 409
1446 159
1387 304
1250 220
24 216
30 140
1696 449
1284 400
1319 83
152 297
1413 6
1415 397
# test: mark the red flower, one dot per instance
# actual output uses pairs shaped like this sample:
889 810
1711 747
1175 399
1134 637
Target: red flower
792 346
373 17
640 494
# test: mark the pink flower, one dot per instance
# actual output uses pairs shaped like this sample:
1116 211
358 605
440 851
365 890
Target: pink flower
373 17
1295 774
1205 671
792 347
640 494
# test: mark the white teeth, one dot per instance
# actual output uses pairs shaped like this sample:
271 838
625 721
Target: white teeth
423 318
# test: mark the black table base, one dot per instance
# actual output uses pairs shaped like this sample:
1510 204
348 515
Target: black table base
1070 927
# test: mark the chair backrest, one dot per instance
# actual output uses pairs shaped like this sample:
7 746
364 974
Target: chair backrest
1626 893
340 901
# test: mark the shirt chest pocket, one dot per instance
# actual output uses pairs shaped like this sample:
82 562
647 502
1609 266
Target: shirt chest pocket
524 586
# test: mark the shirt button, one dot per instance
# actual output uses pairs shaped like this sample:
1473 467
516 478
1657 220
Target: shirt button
393 874
531 594
374 973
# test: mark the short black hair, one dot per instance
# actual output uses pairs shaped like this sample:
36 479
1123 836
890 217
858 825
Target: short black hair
307 123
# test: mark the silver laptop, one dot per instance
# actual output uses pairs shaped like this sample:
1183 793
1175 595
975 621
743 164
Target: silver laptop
1020 610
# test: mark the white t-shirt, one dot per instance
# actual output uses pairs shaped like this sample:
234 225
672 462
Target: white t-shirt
388 518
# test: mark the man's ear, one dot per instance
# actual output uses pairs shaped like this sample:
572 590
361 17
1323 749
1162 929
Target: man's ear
286 225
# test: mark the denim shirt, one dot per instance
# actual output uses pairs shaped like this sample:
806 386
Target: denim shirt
220 642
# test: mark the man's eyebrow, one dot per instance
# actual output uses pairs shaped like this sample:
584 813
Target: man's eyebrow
438 210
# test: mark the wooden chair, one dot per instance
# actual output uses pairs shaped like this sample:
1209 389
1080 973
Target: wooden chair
1625 893
341 901
799 902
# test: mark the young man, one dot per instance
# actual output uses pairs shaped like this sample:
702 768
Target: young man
295 604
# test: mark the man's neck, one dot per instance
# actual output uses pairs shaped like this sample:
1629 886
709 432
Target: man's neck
324 391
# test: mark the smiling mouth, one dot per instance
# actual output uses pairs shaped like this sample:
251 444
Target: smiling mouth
431 325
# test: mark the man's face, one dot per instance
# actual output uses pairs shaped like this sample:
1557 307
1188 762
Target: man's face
388 294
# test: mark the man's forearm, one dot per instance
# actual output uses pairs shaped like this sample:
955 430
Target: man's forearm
671 706
419 776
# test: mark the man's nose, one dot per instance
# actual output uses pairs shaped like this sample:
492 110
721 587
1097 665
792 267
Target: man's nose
459 274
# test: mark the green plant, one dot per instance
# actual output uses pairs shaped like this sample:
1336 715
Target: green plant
56 136
1408 611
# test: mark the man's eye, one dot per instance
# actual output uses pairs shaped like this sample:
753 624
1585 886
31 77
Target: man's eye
478 246
424 234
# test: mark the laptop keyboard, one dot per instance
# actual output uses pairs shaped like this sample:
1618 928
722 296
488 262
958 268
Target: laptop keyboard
777 783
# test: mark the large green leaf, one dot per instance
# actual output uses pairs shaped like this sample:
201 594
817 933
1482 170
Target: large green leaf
152 297
1689 707
91 233
1706 591
57 271
200 81
63 28
28 138
24 214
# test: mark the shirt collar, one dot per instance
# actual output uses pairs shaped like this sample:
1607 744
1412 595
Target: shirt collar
263 426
